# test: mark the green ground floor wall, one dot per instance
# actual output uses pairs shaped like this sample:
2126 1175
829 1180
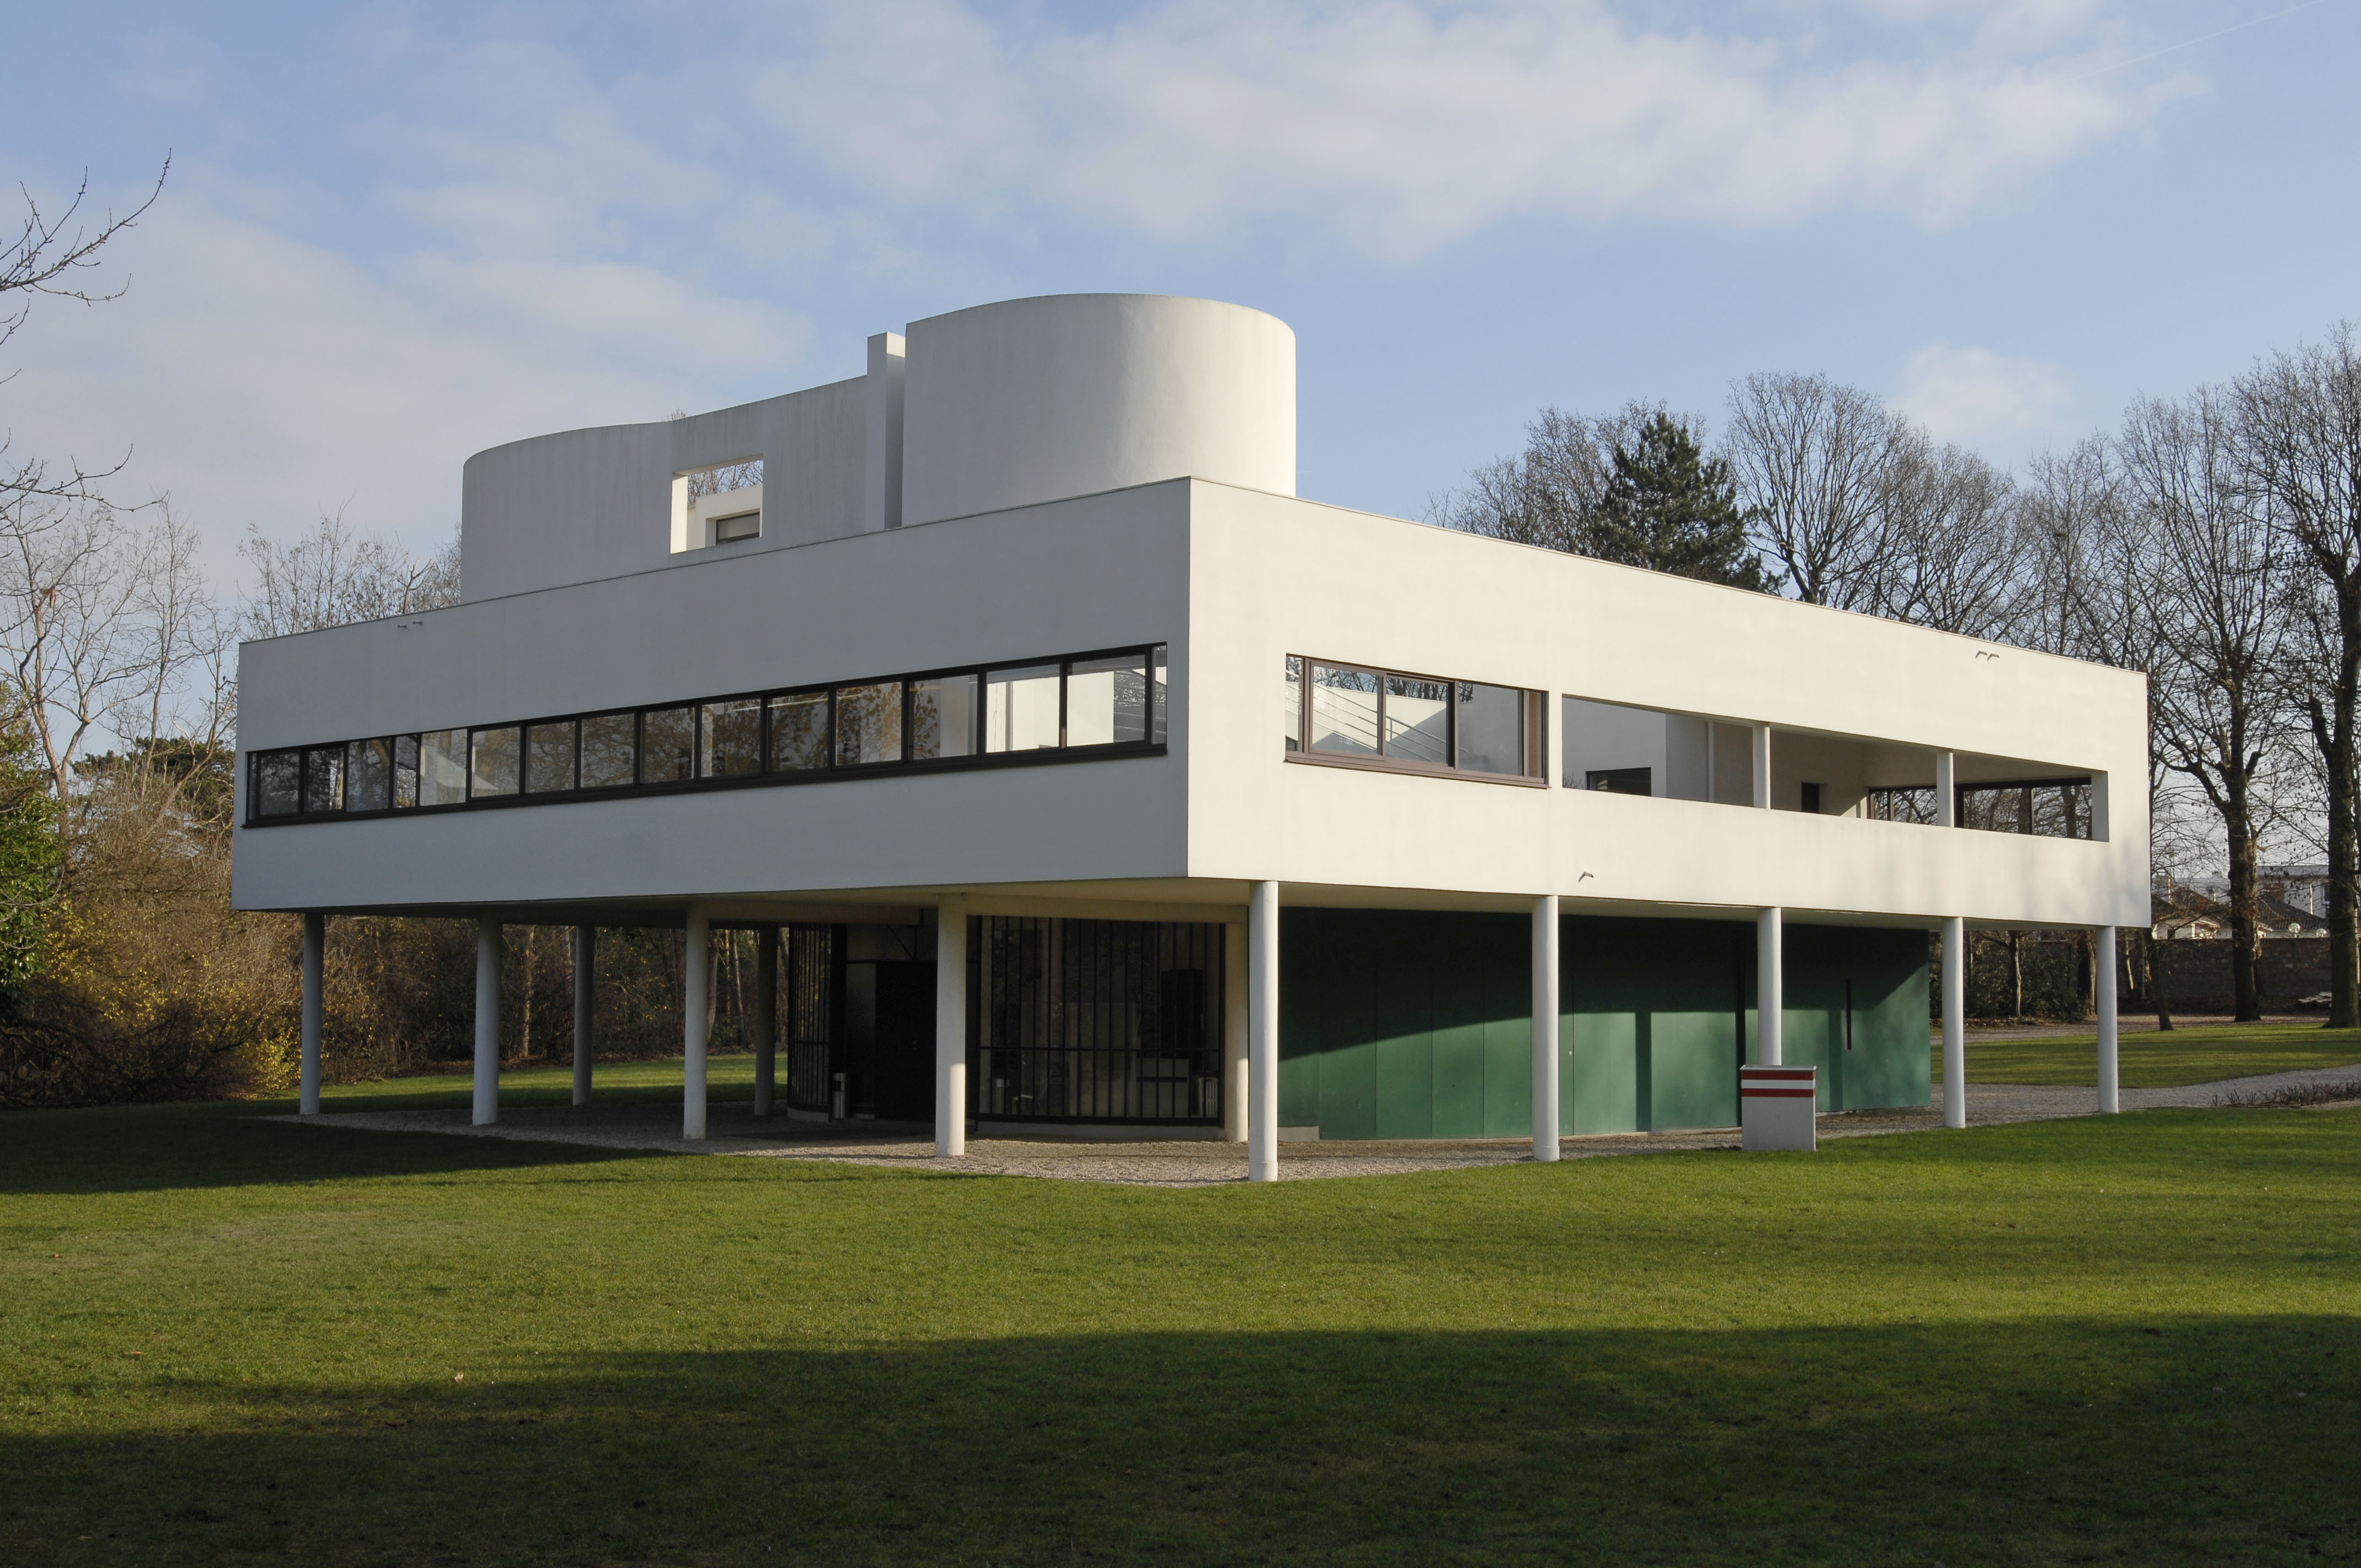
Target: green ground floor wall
1397 1024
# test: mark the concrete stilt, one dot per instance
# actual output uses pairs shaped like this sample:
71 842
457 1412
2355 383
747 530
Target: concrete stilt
766 1019
315 970
1262 1047
1770 990
2102 976
696 981
950 1026
1545 1016
586 973
1237 1030
1955 1022
487 1022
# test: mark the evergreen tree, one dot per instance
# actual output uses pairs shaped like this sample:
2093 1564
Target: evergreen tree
1671 508
28 858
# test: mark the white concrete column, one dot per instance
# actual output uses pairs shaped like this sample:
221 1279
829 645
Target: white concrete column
696 982
1946 790
586 974
1955 1022
1545 1012
950 1026
487 1022
1262 1033
1763 766
315 979
1238 1030
766 1018
2103 980
1770 990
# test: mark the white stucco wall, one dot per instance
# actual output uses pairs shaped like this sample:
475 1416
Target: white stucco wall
1028 400
583 505
1273 576
1053 580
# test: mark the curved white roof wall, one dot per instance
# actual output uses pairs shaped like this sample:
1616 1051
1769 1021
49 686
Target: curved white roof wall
975 411
1031 400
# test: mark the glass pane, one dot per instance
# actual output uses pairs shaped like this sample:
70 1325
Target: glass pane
799 732
1157 688
667 744
610 751
1344 710
1626 781
732 743
942 716
492 760
277 783
324 779
1417 720
2075 805
368 775
548 757
869 724
1294 722
1906 803
1491 730
442 767
1106 701
1020 709
405 770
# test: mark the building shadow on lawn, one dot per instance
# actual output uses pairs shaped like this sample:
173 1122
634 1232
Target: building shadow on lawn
143 1149
2037 1441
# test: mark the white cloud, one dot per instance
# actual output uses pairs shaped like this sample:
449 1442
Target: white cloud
1408 124
1975 395
261 378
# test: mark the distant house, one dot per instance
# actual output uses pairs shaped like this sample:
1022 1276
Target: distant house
2193 913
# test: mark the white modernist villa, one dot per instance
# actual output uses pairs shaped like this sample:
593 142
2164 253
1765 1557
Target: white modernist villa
1079 776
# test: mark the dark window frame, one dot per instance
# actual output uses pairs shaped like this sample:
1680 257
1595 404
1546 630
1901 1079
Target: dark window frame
1535 718
2089 820
1154 656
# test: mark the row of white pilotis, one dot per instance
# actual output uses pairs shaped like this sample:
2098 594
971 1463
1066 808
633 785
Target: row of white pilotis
1257 1066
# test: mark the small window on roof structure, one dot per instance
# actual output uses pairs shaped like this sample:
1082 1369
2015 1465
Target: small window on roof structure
716 504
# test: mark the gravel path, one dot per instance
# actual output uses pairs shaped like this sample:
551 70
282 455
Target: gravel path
733 1130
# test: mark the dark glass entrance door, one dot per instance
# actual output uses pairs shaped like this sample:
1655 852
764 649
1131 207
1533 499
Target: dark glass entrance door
899 1073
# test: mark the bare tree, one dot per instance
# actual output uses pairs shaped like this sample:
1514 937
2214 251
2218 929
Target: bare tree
1551 493
334 576
2300 448
49 256
1952 556
1816 462
2209 570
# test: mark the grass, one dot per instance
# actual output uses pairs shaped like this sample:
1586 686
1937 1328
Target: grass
726 1077
2150 1060
229 1340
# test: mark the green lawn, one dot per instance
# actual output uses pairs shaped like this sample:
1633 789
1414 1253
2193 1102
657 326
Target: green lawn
235 1340
726 1077
2150 1060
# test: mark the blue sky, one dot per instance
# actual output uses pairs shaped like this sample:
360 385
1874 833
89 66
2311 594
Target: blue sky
397 235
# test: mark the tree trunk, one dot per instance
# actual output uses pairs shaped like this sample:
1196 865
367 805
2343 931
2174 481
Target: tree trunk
2332 732
2246 988
2156 970
2017 974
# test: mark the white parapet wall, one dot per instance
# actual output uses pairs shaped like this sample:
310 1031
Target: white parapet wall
1028 400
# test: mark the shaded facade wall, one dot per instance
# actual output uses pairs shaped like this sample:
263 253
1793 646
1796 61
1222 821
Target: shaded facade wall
1410 1024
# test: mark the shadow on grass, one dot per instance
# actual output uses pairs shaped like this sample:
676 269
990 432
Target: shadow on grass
145 1148
2036 1440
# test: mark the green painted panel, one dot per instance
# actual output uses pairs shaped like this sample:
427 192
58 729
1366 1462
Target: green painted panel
1461 1005
1603 1074
1695 1066
1397 1024
1884 973
1655 1035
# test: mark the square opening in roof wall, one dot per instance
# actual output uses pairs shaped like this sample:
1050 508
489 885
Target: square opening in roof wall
717 505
